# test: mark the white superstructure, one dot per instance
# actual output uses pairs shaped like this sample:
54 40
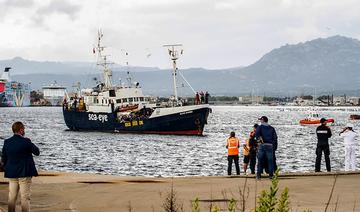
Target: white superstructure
54 93
106 97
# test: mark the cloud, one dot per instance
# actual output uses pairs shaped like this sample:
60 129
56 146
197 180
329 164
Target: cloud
215 33
59 7
8 7
18 3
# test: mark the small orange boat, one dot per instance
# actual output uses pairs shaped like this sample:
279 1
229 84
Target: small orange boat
314 118
314 121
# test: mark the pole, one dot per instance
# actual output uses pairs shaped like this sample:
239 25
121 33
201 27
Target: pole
174 55
174 78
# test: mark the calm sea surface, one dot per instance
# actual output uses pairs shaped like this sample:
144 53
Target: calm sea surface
154 155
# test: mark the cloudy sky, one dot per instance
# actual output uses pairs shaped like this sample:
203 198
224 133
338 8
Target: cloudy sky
215 33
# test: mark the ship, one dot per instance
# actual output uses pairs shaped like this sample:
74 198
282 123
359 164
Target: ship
54 93
13 93
125 108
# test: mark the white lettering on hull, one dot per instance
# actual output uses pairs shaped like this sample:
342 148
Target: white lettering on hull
100 118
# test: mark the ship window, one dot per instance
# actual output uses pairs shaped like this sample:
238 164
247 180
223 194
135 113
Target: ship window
136 99
112 93
118 101
131 99
124 100
102 101
141 99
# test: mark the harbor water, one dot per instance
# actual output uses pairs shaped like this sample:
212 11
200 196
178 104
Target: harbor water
165 155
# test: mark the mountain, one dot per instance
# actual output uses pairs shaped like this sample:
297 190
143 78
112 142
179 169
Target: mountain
23 66
324 65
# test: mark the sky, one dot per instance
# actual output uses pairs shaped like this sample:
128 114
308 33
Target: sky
215 34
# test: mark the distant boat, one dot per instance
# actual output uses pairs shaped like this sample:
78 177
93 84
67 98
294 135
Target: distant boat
13 93
314 118
54 93
355 117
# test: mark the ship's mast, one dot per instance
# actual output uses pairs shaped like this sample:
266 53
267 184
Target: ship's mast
174 55
102 61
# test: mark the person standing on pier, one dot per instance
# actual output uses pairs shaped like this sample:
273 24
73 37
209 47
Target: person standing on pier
19 166
323 134
246 154
233 144
250 149
253 149
267 136
350 146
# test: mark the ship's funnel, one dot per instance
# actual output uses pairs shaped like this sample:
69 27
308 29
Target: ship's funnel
6 74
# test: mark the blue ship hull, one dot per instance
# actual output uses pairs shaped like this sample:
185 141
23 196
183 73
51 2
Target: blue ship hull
184 123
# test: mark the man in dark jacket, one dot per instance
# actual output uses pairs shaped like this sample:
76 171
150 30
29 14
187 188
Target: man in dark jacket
267 136
323 134
19 166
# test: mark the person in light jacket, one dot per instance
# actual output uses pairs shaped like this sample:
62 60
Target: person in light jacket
350 146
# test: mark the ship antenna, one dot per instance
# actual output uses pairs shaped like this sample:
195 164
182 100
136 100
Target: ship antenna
174 55
102 61
128 78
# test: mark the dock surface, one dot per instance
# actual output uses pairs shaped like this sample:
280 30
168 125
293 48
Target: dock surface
53 191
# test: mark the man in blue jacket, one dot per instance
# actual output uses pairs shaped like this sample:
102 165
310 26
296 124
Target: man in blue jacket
19 166
268 145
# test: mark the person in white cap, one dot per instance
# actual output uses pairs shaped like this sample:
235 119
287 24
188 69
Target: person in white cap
349 141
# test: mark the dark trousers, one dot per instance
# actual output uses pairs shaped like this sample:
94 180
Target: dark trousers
319 150
265 153
266 167
274 161
252 161
234 158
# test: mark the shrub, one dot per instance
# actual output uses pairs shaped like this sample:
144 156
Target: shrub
268 201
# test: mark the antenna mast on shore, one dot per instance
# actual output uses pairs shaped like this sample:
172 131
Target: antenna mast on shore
174 55
102 61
